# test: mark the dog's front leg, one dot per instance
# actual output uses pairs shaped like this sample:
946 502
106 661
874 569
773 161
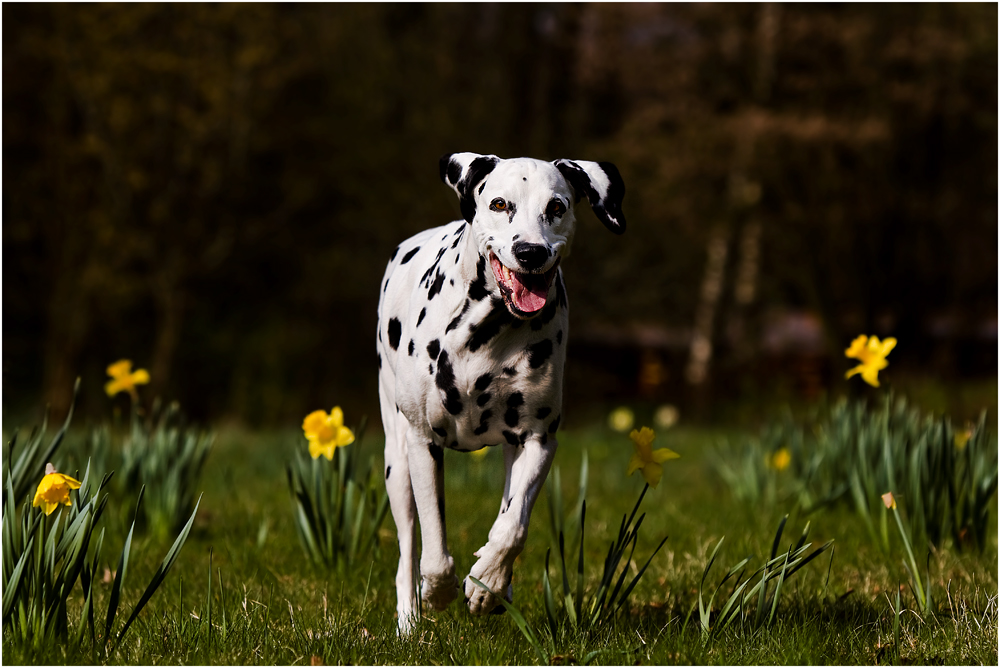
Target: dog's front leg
439 586
495 567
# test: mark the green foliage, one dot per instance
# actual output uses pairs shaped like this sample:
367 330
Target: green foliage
338 511
165 454
268 609
577 609
45 556
920 582
29 464
854 453
757 607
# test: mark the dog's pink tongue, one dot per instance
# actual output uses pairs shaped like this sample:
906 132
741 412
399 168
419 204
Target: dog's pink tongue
530 294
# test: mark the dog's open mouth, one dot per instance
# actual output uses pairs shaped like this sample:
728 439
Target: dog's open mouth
524 294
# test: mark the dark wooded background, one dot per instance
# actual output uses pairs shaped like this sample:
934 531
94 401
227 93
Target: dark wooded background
213 191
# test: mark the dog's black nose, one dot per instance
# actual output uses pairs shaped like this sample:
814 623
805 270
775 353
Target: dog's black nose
530 256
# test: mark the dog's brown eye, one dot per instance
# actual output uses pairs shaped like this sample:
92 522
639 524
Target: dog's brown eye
498 204
555 209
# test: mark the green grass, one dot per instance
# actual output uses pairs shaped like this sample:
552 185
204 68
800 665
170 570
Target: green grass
269 606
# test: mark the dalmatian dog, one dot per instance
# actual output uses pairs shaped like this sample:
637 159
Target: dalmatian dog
472 326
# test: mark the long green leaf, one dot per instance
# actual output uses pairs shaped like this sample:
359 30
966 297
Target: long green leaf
521 622
116 586
161 573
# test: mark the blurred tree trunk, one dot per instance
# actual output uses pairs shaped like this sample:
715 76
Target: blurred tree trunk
170 299
743 195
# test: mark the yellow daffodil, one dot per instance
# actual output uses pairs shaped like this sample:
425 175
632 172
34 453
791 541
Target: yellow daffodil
621 419
962 437
123 379
326 433
889 500
780 460
872 353
666 416
53 490
649 461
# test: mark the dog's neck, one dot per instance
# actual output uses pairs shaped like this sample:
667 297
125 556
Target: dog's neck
468 263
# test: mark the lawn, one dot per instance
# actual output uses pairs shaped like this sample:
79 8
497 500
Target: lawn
242 592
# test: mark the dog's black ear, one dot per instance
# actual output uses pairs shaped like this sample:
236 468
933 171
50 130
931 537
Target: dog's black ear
603 186
463 172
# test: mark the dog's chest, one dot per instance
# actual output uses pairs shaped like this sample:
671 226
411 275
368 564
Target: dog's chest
501 386
461 364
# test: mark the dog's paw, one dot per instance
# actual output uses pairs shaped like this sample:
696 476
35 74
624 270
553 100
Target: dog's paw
406 623
496 575
439 591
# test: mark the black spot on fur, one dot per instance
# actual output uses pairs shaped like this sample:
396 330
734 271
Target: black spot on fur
439 431
484 424
555 424
481 186
435 286
454 445
477 289
544 439
394 254
509 371
516 324
458 237
483 399
513 416
410 348
380 360
433 348
395 331
484 381
458 318
388 469
510 437
384 287
543 412
425 280
478 170
545 316
420 318
430 369
559 336
445 380
437 452
539 353
482 333
409 256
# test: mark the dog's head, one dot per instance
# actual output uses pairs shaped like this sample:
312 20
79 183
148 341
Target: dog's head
522 219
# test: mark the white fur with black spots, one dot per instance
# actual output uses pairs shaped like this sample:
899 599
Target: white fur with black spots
472 327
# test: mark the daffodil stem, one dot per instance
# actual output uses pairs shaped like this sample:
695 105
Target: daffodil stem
636 509
913 561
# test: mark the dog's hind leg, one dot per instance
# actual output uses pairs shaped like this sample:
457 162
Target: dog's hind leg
404 513
439 586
